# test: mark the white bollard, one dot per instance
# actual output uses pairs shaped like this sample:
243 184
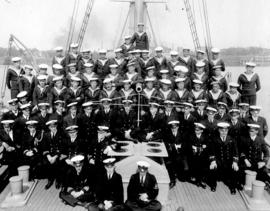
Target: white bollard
257 190
23 171
250 177
16 185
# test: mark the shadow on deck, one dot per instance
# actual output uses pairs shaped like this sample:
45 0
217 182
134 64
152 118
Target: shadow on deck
185 195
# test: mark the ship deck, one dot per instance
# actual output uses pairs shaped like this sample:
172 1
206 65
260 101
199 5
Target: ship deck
184 194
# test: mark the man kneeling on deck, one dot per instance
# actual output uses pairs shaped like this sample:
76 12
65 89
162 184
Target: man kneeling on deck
143 190
79 190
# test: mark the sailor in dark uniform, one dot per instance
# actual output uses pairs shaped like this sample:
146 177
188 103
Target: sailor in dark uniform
232 96
200 57
41 92
140 38
109 91
150 92
43 116
200 74
221 114
14 111
75 92
119 60
27 81
215 95
159 60
101 66
43 71
210 122
244 111
59 58
32 154
181 91
145 62
110 191
200 113
51 149
12 78
85 58
182 73
249 82
72 72
166 92
79 180
223 155
22 98
170 111
58 91
197 147
59 113
12 146
127 93
58 70
218 77
216 61
254 154
92 93
127 46
115 76
143 190
73 56
187 61
255 118
197 93
87 74
187 119
173 62
72 117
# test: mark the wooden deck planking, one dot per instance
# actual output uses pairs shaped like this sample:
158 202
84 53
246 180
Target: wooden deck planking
183 194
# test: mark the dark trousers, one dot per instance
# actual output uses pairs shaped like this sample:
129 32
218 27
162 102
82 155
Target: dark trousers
198 167
14 93
250 99
51 171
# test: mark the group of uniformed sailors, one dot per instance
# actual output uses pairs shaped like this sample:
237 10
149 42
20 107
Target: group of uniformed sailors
212 130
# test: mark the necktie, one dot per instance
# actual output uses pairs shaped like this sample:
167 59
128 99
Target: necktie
141 181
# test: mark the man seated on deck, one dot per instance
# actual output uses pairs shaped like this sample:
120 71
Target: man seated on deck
79 189
142 190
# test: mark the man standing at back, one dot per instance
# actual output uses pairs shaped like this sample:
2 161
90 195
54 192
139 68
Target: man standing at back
140 38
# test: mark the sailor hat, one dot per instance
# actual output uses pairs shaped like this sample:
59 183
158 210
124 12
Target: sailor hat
200 64
254 107
59 102
173 122
256 126
140 24
243 104
186 49
214 82
199 125
164 71
222 104
168 102
31 122
157 49
153 104
145 51
250 64
166 81
29 67
108 80
103 127
148 79
93 79
150 68
43 104
211 109
16 59
7 121
118 50
127 81
72 128
217 67
234 110
12 101
180 68
25 106
131 64
106 99
177 80
223 124
75 78
137 51
58 48
127 37
131 51
109 161
74 45
102 51
72 65
87 50
201 101
215 50
77 159
41 77
22 94
87 104
57 67
113 66
127 101
51 122
143 163
43 66
72 104
88 65
233 84
186 104
58 78
174 53
200 51
197 81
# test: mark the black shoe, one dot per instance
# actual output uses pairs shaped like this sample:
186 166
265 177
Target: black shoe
203 185
233 191
49 184
213 189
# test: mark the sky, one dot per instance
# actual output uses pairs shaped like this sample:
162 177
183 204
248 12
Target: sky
44 24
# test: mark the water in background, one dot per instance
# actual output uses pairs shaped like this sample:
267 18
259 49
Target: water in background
263 98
